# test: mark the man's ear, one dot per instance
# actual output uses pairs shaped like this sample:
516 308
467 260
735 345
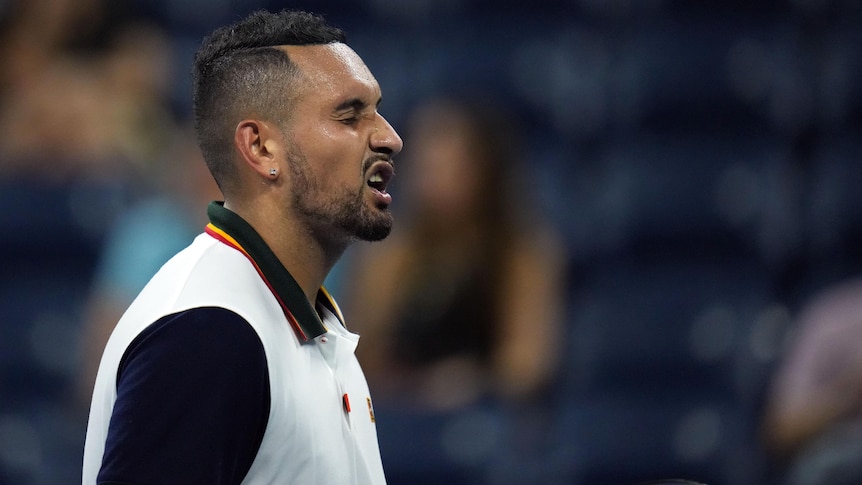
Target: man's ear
258 145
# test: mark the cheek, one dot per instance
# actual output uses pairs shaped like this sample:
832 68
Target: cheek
333 161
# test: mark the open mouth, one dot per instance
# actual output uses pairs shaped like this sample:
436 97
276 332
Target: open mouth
380 175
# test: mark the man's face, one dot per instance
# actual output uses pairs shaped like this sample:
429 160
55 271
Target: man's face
340 148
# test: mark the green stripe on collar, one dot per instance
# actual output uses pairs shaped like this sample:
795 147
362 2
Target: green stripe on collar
279 280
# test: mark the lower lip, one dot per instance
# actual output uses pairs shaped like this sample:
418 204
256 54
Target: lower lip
382 198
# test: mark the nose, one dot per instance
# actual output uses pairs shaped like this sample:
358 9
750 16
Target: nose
385 139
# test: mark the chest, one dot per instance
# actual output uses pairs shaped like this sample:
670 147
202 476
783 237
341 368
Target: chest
321 426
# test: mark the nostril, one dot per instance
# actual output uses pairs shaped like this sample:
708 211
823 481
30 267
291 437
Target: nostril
384 149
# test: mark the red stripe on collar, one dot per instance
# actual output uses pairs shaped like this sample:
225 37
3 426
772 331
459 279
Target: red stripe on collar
225 238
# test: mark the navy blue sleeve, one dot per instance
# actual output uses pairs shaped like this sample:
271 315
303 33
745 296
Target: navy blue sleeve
192 403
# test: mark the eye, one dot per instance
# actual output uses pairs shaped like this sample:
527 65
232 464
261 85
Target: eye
350 120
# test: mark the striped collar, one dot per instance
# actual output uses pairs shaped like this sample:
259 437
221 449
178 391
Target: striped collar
231 229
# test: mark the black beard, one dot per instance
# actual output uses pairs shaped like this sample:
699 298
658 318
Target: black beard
335 225
345 217
355 220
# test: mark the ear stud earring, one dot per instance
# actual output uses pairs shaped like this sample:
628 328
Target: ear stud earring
273 171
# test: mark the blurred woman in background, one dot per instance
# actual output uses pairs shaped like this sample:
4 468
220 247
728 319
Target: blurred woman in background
463 301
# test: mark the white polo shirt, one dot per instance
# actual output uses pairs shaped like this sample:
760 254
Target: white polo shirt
320 428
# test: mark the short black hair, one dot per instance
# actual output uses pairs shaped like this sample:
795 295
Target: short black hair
238 71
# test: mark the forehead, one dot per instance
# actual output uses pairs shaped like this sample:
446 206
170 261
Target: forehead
333 70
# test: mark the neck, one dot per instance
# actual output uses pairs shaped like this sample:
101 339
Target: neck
304 256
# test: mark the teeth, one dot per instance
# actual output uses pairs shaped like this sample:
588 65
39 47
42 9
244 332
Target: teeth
376 178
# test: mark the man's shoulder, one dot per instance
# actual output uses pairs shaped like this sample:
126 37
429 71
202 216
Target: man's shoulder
206 273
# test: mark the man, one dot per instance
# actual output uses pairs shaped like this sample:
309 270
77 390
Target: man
233 364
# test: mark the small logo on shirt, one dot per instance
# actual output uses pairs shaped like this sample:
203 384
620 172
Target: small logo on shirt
370 410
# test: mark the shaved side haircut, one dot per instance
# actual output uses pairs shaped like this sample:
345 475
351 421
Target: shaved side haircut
239 72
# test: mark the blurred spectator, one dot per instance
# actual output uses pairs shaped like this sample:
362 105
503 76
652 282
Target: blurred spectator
35 32
143 238
82 116
813 421
463 301
58 117
461 306
81 87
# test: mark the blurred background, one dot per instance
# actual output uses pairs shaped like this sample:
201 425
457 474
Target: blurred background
688 174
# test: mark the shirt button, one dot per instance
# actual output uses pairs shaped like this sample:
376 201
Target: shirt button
323 340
